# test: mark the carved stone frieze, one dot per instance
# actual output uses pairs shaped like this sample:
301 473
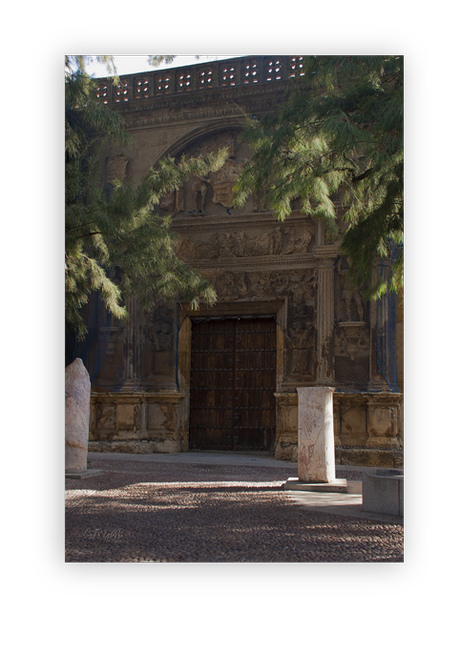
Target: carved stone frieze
280 241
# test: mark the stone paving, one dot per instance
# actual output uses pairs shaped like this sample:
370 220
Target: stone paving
163 512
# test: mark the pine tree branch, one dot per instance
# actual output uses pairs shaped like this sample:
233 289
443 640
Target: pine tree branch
80 226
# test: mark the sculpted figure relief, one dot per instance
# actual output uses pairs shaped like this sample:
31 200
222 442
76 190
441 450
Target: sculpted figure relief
223 181
351 296
300 334
173 202
278 242
199 192
233 286
116 167
258 285
161 331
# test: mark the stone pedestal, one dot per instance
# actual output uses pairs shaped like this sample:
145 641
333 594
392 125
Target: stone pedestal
383 492
316 457
77 408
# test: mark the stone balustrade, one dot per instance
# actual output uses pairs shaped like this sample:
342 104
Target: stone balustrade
227 74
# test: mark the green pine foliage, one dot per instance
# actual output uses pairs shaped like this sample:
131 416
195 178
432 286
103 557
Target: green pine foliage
338 143
116 240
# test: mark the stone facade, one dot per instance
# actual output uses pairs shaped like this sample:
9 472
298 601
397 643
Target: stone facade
291 271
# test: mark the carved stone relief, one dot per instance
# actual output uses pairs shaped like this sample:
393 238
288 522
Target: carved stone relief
280 241
223 181
352 340
161 331
173 202
297 286
157 361
351 306
230 286
202 195
116 168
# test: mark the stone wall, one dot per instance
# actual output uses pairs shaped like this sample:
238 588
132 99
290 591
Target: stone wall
136 423
368 428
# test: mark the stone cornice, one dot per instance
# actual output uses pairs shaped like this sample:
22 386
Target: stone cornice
217 107
225 223
255 263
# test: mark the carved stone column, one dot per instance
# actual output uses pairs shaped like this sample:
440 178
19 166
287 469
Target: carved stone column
325 329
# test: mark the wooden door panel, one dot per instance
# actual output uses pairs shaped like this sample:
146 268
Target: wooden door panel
233 377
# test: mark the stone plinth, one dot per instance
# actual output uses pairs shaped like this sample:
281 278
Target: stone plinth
337 485
316 457
383 492
77 408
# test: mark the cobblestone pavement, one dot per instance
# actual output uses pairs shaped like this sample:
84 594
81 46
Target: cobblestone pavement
162 512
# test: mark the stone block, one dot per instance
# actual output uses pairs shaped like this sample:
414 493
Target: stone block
353 424
383 492
366 457
106 417
316 452
134 446
383 423
127 416
77 410
168 446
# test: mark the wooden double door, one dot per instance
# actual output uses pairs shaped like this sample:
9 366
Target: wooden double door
232 384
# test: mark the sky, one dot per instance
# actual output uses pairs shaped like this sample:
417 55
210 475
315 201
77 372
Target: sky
132 63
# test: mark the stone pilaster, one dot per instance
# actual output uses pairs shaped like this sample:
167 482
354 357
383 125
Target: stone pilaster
379 350
325 312
133 347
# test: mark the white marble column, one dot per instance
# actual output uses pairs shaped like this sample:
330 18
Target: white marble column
316 453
